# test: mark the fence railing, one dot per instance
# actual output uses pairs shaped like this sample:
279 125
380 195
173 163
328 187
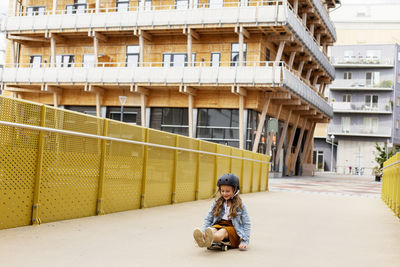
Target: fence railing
361 84
57 164
391 184
351 129
362 107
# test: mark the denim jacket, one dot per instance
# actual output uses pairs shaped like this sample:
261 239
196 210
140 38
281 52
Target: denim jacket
241 222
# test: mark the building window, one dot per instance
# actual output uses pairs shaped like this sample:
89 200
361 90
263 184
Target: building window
373 56
65 61
215 59
345 124
318 159
145 4
370 125
35 61
132 56
78 7
175 120
216 3
372 78
347 75
181 4
253 118
35 10
219 126
235 53
177 59
122 5
346 98
371 101
131 114
267 54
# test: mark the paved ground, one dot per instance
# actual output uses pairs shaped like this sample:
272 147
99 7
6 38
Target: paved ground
301 228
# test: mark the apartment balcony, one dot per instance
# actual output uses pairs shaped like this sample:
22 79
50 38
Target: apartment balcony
362 107
361 85
257 17
253 75
356 130
362 62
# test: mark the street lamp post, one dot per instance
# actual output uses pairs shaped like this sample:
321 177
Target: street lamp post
122 100
332 139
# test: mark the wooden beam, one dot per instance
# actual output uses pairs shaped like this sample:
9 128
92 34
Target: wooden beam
94 89
291 60
301 107
280 51
241 30
190 114
280 95
146 35
143 104
282 137
193 33
237 90
308 75
140 90
290 102
241 121
25 38
311 112
20 90
261 124
184 89
290 143
50 89
100 36
57 37
300 70
298 146
307 145
99 101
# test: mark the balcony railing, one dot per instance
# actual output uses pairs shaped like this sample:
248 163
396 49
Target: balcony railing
361 84
340 129
199 73
277 12
363 60
362 107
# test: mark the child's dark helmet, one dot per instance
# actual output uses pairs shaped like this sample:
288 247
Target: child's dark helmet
229 179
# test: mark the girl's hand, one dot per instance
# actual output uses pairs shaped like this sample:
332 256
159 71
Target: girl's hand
242 246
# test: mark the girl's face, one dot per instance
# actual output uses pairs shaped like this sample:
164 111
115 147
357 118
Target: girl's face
226 191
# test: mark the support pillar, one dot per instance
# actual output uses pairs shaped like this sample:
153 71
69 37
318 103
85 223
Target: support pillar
299 142
13 54
97 6
241 41
96 50
99 100
141 49
54 7
52 52
282 137
307 145
189 49
280 51
291 60
241 121
143 102
261 124
190 113
286 166
301 66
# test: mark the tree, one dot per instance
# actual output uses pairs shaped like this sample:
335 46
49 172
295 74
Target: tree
382 156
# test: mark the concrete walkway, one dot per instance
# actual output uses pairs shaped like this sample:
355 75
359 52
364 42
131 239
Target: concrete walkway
288 229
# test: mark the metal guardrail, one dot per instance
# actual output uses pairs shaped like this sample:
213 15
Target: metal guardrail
58 164
341 129
362 107
391 184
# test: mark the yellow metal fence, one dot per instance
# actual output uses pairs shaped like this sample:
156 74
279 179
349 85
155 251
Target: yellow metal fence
391 184
48 175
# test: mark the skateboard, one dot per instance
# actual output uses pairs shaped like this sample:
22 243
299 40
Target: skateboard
223 245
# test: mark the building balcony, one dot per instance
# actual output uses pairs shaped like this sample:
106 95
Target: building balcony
361 85
362 107
362 62
356 130
253 74
257 17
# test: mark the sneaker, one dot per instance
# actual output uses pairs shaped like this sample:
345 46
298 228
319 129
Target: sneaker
198 236
208 240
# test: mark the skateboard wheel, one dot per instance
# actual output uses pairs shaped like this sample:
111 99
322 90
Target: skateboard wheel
225 248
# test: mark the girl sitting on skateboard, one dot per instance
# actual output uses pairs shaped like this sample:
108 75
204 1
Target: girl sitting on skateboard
227 219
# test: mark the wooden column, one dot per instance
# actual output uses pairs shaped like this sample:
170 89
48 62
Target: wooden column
290 143
55 99
291 60
13 54
282 137
301 66
99 100
189 49
312 28
53 54
296 6
96 50
14 6
241 121
54 7
141 50
97 6
280 51
318 38
143 103
315 80
304 18
261 124
191 93
299 142
308 75
307 145
241 41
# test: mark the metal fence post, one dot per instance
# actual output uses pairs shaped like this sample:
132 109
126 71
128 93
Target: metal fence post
144 170
173 194
100 200
197 186
39 165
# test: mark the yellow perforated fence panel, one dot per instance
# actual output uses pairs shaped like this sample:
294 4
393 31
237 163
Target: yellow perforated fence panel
391 184
48 176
